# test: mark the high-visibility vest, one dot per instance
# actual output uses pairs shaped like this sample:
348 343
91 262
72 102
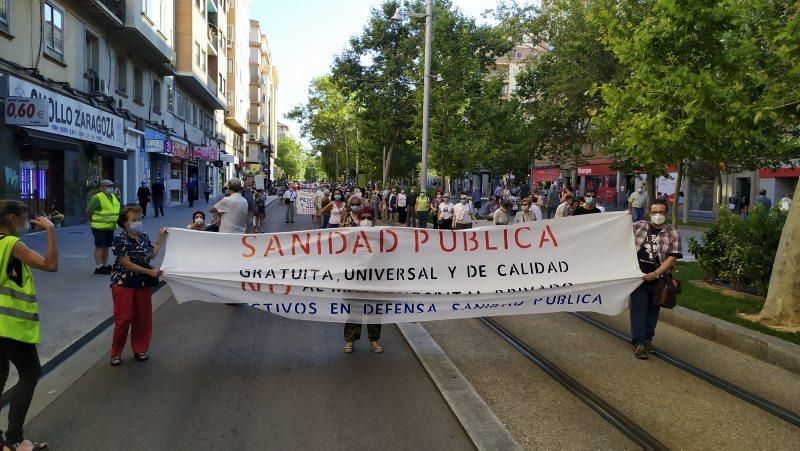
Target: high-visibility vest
19 311
106 218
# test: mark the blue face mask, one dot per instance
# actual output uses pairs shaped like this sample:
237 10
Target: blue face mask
355 208
590 200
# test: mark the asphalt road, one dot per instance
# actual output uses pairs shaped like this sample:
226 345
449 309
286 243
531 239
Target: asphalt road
224 377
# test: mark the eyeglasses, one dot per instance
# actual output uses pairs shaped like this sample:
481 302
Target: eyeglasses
354 205
367 218
589 196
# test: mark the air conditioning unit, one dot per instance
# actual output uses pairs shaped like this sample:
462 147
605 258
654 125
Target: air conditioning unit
229 43
97 85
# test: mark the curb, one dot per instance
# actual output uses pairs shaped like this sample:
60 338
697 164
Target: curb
761 346
481 424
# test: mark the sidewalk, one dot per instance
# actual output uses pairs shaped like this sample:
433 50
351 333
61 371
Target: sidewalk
73 301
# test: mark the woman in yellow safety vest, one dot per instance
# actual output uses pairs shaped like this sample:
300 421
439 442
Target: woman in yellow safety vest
19 313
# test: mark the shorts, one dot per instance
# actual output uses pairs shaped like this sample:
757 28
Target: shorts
103 238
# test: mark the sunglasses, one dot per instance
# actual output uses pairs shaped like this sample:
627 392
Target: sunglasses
367 218
353 205
589 196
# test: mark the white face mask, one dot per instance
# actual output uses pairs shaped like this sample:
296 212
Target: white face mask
639 191
198 221
658 218
365 223
135 225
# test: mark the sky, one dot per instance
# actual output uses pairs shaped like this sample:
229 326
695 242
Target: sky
305 35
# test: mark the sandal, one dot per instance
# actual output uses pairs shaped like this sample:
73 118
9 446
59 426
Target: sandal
141 356
375 347
15 446
348 347
116 360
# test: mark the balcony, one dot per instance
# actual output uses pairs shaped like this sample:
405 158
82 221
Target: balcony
140 34
213 41
111 11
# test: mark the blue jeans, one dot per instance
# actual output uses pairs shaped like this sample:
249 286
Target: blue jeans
637 214
644 315
325 219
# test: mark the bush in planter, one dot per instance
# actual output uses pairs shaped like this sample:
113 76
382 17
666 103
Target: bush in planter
741 250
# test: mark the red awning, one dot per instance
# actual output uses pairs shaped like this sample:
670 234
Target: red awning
545 174
597 168
781 172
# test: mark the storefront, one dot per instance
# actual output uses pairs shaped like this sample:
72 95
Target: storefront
155 160
545 175
779 182
178 170
599 176
56 167
204 157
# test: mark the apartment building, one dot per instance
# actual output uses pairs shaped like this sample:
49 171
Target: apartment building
198 87
262 120
132 95
238 84
101 93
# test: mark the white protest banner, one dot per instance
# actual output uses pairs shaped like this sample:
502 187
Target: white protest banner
388 274
305 203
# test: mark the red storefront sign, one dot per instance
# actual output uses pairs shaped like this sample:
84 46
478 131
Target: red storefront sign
205 153
597 168
781 172
180 150
545 174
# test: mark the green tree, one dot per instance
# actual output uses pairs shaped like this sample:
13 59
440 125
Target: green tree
689 95
553 89
330 122
291 158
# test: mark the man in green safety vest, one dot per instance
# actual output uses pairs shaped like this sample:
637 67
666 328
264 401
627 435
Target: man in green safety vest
104 211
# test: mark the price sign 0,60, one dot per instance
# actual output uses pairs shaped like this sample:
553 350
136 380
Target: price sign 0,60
26 111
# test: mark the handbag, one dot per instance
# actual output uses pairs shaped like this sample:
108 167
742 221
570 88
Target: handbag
666 291
149 281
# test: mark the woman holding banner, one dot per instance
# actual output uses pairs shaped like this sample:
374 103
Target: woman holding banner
361 217
132 282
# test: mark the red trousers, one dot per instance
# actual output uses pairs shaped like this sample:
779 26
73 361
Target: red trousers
133 309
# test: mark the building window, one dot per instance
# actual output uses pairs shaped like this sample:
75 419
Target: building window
53 18
157 96
92 55
197 53
170 99
5 15
203 58
194 115
138 86
122 76
230 65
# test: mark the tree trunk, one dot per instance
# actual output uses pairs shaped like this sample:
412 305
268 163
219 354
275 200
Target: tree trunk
651 190
782 307
674 207
388 161
718 197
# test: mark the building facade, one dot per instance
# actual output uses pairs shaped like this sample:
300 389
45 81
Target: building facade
130 94
262 120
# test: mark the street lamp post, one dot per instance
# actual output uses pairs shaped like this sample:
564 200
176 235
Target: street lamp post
426 96
426 90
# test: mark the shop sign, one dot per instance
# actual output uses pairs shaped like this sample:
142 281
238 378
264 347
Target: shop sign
179 149
69 117
26 111
156 142
205 153
132 140
545 174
